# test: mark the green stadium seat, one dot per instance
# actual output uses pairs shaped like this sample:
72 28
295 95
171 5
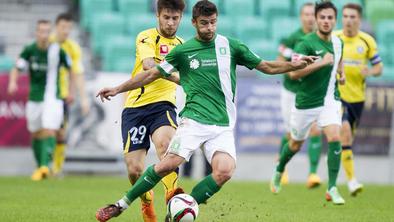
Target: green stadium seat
139 23
387 76
240 8
379 10
385 32
123 65
267 49
6 63
118 48
134 7
273 8
252 28
226 26
90 9
104 27
186 30
283 27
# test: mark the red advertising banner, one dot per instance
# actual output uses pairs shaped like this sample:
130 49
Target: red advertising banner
13 131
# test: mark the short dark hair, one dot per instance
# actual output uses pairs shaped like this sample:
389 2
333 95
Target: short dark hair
176 5
43 21
325 5
354 6
204 8
64 16
305 5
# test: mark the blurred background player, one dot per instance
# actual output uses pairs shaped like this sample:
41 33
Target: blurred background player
288 92
359 47
317 98
63 28
207 69
44 109
149 111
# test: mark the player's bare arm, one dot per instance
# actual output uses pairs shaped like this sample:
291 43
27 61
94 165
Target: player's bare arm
328 59
148 63
342 77
278 67
72 84
13 81
375 70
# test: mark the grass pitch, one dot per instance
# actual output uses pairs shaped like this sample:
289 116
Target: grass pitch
76 199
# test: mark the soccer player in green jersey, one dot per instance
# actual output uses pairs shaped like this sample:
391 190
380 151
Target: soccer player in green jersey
317 98
44 109
206 66
288 92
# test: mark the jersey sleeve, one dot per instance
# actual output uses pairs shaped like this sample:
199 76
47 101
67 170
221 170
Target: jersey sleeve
373 54
145 46
76 59
23 59
244 56
170 63
65 59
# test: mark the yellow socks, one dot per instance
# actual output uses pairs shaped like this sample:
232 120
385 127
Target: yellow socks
348 163
58 158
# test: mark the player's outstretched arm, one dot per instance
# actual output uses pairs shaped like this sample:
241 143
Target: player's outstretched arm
138 81
376 70
279 67
328 59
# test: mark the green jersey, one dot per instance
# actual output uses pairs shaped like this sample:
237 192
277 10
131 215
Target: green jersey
207 75
289 45
44 67
320 87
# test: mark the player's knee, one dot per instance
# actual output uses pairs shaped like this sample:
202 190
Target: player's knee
335 137
295 146
134 171
222 175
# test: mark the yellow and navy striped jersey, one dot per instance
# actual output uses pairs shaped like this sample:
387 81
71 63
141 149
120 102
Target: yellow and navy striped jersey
150 44
74 52
358 50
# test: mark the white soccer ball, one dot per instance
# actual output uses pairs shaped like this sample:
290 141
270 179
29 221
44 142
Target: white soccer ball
182 208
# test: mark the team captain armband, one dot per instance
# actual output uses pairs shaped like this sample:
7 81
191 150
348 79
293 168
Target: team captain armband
285 51
166 68
21 64
375 59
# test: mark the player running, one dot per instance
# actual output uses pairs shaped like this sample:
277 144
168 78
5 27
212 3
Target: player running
206 66
317 98
149 111
359 47
44 109
63 28
288 92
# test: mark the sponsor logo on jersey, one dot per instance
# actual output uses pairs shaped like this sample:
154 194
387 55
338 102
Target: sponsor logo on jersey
164 50
318 52
360 49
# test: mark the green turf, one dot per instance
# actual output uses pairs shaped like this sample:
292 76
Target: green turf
77 198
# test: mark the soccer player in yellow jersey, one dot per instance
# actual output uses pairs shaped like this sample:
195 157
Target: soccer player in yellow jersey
359 48
64 25
149 111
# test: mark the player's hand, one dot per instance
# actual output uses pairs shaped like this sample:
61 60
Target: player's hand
309 59
328 59
365 71
69 99
12 88
342 79
106 93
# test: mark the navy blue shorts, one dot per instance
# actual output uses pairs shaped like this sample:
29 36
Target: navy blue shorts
352 113
138 124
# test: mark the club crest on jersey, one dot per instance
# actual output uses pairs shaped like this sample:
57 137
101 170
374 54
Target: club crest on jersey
194 64
360 49
223 50
164 50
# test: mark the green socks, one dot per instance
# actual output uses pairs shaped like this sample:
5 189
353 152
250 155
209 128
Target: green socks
314 150
146 182
47 146
205 189
333 162
36 145
284 158
282 143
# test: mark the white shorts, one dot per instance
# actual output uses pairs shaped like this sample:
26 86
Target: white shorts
192 135
301 119
44 115
287 103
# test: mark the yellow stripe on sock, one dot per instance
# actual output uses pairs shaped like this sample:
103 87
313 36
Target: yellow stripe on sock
170 119
170 181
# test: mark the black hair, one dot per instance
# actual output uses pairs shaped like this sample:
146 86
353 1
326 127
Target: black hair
176 5
204 8
325 5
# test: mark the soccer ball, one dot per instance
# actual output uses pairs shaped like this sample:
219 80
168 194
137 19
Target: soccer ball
182 208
